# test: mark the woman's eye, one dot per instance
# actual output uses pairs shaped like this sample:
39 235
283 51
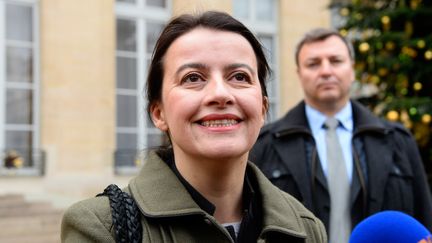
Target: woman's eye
241 77
192 78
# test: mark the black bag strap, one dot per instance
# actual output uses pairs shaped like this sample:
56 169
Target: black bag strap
126 216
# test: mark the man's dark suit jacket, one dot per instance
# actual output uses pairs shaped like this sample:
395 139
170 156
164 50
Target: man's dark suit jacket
388 172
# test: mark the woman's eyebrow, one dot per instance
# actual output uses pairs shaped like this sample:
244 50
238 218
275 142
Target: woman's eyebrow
239 65
192 65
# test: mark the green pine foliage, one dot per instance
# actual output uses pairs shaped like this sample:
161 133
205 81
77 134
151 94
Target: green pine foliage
393 44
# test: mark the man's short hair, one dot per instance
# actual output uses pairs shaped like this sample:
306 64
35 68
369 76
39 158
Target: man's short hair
320 34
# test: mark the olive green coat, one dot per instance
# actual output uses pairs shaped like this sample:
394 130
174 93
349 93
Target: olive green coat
162 198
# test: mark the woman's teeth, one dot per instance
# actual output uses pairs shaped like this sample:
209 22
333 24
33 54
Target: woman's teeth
219 123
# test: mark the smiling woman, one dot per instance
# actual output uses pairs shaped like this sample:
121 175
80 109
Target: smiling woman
206 90
213 81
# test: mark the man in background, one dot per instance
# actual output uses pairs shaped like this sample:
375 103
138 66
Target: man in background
333 154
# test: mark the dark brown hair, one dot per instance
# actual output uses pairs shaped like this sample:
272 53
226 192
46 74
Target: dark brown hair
182 25
320 34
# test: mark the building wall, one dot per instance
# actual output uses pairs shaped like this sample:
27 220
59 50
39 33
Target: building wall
78 75
194 6
77 49
296 17
78 87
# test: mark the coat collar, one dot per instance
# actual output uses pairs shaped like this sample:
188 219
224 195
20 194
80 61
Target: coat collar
365 120
274 202
159 193
295 121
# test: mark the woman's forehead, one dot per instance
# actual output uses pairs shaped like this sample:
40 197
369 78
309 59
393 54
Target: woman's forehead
206 44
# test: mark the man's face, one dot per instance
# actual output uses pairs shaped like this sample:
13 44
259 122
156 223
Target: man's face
326 73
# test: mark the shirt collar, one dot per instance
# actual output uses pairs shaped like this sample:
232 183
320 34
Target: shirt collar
316 118
202 202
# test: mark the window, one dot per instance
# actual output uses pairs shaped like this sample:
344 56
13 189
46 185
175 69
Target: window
138 24
19 87
260 16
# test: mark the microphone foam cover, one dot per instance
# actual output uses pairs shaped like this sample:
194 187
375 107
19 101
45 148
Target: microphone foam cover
389 226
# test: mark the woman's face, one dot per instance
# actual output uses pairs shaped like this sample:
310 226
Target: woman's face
212 105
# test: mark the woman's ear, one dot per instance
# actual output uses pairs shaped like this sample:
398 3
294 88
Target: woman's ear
158 116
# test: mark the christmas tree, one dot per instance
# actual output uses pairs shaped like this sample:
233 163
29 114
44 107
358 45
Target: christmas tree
393 44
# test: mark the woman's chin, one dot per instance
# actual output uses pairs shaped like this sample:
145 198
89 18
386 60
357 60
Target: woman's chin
226 153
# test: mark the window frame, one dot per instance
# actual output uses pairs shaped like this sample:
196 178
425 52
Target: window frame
267 28
141 14
36 154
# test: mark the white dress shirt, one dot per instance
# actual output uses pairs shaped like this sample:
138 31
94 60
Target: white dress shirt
344 131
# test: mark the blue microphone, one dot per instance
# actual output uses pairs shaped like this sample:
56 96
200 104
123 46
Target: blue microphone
391 227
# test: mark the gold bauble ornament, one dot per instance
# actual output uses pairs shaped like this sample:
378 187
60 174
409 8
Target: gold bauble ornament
382 72
364 47
417 86
428 54
343 32
392 115
409 51
414 4
421 44
344 12
385 20
374 79
426 118
390 45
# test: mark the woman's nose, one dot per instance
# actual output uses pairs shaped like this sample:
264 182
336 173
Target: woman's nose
219 93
